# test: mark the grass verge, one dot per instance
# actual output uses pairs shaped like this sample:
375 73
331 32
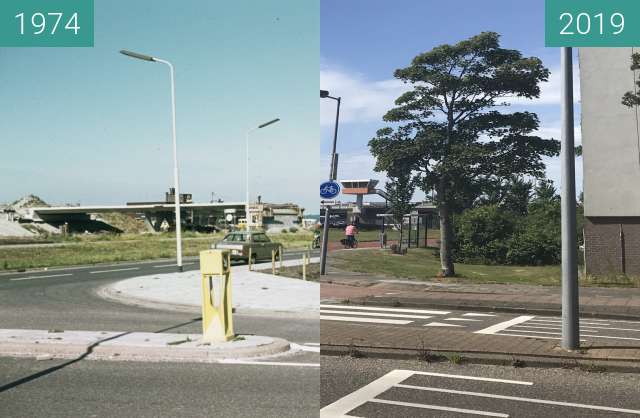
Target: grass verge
107 248
422 264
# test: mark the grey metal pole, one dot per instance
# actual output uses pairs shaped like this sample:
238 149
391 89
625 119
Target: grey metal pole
327 209
176 179
570 301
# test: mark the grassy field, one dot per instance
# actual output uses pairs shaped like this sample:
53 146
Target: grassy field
105 248
422 264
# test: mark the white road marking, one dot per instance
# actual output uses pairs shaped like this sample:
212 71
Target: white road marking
614 338
370 320
553 321
267 363
304 347
528 336
612 328
441 408
504 325
521 399
477 314
342 406
111 271
466 377
368 393
547 332
171 265
369 308
463 319
596 320
41 277
375 314
441 324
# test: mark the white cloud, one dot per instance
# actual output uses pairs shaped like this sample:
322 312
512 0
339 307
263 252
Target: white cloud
368 100
551 90
363 100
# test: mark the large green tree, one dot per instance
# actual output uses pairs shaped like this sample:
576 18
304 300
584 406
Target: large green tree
453 125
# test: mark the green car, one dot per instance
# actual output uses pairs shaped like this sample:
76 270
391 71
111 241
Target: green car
241 242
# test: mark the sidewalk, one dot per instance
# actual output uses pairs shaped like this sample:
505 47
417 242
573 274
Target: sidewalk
252 292
622 303
419 342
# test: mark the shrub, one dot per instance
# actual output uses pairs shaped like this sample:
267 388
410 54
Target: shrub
482 235
293 229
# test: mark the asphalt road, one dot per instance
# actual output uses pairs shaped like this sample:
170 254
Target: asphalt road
65 299
404 388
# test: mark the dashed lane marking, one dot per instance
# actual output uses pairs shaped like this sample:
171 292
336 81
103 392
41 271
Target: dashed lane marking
112 271
40 277
478 314
368 320
172 265
441 408
463 319
441 324
390 315
368 308
521 399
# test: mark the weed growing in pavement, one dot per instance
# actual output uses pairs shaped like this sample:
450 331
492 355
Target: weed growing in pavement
592 368
186 340
354 352
453 358
239 338
517 363
424 354
396 303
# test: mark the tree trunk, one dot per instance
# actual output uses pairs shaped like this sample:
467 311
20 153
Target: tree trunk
446 236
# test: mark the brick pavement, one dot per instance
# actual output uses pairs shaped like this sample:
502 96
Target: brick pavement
363 288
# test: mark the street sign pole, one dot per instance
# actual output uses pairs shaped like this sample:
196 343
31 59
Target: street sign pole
333 170
570 301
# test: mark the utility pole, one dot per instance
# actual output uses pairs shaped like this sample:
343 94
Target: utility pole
333 174
570 299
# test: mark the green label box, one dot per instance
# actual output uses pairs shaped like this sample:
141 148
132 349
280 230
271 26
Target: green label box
592 23
46 23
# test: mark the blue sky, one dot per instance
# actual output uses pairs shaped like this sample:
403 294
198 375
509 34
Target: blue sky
88 125
364 41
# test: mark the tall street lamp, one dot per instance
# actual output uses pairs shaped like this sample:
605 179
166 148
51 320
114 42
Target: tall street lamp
333 174
246 207
176 182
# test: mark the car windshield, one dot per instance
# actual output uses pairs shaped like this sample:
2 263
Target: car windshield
234 238
260 238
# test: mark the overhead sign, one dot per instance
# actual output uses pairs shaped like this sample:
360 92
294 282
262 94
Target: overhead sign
592 23
329 189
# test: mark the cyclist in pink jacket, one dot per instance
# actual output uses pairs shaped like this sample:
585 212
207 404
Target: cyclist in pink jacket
351 231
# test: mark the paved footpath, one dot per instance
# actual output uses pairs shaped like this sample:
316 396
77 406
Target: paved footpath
501 322
623 303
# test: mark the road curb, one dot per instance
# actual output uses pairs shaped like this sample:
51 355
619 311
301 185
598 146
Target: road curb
497 359
449 304
137 346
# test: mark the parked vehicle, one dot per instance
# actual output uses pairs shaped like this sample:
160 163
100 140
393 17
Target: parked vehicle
241 242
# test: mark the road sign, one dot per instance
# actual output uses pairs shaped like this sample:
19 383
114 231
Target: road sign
329 189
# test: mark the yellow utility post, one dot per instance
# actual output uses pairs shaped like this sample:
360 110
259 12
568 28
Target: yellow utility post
280 256
217 322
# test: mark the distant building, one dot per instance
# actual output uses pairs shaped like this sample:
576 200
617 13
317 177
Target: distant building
611 158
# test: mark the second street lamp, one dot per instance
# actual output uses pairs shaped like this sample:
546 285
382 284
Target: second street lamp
246 207
176 179
333 174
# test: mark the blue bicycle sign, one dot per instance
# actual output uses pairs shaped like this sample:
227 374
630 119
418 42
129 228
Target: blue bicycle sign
329 190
